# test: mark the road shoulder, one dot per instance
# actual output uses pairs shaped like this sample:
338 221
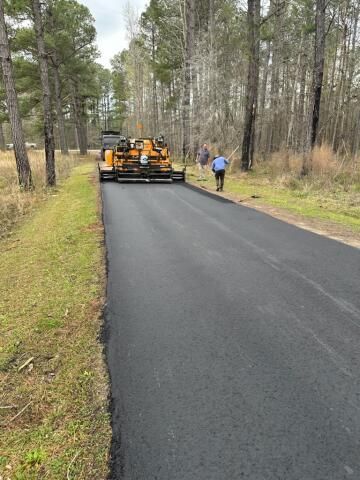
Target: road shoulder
54 402
321 226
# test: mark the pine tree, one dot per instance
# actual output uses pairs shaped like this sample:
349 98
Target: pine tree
252 84
44 75
22 161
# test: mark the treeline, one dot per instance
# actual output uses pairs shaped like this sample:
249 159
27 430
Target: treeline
260 75
266 76
50 79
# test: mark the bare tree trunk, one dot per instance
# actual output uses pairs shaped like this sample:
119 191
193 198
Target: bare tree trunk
289 141
188 51
84 127
2 138
263 92
253 17
155 106
346 125
59 112
22 161
44 76
76 136
318 74
275 72
339 101
196 107
80 120
331 100
356 141
301 120
57 84
319 67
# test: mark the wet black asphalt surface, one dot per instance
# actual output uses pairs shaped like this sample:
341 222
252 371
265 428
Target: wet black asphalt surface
233 341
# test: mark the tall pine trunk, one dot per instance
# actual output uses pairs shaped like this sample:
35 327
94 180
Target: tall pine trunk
301 120
2 138
349 114
253 18
349 82
22 161
318 75
289 139
275 76
57 86
45 84
331 98
341 85
319 67
263 88
155 106
80 119
59 112
188 51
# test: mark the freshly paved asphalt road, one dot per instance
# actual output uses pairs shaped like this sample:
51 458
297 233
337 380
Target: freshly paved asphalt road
233 341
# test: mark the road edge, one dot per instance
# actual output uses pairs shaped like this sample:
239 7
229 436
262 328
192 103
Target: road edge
296 220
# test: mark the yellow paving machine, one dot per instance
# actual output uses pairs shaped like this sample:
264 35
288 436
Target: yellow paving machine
146 159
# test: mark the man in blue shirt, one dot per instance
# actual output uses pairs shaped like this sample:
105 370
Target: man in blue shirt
218 167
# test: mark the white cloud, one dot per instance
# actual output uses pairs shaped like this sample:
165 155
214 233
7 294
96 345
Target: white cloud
110 22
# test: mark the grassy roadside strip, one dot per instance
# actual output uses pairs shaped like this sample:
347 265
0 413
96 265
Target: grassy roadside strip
341 208
53 383
16 205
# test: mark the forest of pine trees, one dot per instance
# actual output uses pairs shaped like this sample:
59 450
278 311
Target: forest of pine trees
262 75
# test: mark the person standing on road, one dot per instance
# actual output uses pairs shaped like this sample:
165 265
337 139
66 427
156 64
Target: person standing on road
202 160
218 167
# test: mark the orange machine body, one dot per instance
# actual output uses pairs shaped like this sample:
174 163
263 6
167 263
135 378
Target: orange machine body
143 158
140 159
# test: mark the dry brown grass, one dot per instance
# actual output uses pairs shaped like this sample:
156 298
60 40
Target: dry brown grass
14 203
329 172
284 163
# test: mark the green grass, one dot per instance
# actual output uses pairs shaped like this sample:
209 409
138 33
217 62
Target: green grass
306 198
50 306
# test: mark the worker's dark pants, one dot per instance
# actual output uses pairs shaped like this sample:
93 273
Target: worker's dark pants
219 177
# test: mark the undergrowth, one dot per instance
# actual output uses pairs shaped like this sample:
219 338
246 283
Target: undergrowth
14 203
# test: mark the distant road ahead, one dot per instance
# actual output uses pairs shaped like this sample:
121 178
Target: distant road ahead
233 341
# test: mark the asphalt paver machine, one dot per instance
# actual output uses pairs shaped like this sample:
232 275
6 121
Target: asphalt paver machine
145 159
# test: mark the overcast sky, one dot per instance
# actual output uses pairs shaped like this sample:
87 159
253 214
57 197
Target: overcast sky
111 25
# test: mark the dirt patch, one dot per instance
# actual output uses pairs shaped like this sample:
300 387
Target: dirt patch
94 228
94 179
